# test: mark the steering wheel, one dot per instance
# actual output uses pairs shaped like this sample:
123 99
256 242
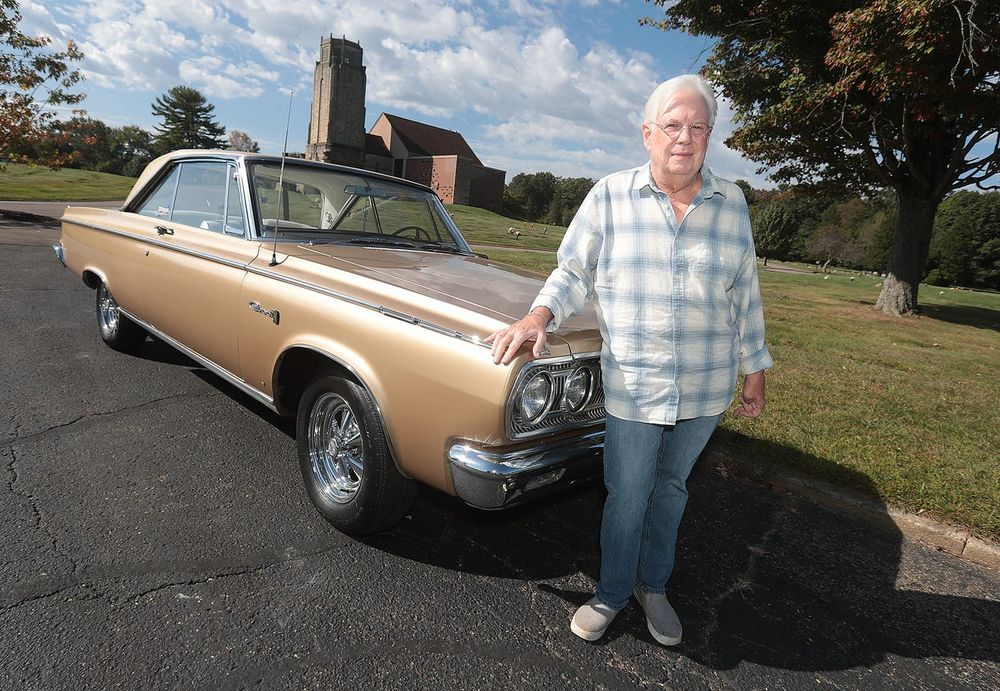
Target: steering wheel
418 233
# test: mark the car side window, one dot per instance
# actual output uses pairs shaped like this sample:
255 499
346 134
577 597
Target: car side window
202 190
235 213
161 202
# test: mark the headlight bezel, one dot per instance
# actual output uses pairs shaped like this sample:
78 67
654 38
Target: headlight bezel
557 417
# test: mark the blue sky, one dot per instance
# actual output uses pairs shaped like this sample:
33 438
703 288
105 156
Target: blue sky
533 85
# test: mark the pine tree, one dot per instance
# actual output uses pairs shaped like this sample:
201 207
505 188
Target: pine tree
188 122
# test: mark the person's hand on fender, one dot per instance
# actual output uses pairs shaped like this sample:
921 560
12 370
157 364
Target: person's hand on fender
507 341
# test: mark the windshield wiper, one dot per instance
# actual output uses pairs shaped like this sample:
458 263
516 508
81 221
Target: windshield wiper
438 247
381 241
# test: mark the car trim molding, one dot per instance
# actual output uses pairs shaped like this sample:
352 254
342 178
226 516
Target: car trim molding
163 245
205 362
381 309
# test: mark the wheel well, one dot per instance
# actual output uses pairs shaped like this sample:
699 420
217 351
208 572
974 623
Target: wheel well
296 368
91 280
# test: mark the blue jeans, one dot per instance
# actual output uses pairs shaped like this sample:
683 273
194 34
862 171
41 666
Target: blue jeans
646 467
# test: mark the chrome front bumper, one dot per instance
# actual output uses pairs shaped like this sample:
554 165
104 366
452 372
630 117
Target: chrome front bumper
60 253
491 480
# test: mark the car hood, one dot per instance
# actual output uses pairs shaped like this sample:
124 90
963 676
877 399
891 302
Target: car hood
496 291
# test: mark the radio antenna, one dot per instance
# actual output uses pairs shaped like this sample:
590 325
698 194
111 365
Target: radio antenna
281 185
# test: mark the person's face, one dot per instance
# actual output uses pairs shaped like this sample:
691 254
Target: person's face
681 156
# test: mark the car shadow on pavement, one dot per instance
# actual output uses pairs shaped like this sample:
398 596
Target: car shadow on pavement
762 575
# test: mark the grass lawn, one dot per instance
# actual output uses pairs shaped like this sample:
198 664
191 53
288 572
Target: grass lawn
20 182
904 409
480 226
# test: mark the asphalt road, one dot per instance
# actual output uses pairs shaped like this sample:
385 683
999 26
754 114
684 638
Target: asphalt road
156 534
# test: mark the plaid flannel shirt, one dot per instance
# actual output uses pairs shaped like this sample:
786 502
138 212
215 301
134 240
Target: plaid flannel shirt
678 302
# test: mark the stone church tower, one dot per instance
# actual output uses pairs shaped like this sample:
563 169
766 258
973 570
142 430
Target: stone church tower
337 117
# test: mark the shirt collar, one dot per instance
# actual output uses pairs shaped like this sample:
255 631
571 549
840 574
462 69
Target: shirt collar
709 183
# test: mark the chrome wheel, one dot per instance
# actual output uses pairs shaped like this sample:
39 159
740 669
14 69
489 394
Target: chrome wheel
336 452
107 312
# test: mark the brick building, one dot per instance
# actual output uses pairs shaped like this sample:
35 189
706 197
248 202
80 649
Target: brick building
433 156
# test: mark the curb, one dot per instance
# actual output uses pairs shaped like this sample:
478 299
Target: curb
947 537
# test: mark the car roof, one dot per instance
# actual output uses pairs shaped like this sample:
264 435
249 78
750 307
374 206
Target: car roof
156 165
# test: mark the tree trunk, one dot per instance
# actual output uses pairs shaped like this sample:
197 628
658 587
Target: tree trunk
908 256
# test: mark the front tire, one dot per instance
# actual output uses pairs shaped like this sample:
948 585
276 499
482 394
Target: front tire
345 461
117 330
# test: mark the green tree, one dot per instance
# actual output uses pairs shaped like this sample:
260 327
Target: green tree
188 122
241 141
862 95
775 227
530 194
88 138
33 80
748 191
566 199
133 149
965 249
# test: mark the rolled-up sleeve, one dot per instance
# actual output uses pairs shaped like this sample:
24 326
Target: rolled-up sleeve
754 355
572 281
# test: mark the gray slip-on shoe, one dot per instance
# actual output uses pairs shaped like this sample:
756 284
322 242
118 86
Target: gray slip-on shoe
661 619
592 619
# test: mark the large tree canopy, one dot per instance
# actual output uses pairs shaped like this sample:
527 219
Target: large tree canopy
188 122
33 80
861 95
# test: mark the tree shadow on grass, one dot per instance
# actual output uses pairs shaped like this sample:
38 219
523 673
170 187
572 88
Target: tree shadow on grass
977 317
762 576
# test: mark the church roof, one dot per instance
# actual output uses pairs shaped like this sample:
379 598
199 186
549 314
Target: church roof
375 146
422 139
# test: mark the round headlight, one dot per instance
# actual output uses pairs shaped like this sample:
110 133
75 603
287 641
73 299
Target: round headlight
577 389
535 397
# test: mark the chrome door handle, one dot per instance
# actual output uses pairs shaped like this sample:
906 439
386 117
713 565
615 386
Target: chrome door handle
163 230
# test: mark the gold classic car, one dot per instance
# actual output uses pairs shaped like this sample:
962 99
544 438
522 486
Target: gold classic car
348 300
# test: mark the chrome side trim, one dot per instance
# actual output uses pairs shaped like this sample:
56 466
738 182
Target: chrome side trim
430 326
60 253
381 309
489 479
161 244
206 363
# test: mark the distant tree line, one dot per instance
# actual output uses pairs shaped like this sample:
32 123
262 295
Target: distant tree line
857 233
793 224
545 198
187 121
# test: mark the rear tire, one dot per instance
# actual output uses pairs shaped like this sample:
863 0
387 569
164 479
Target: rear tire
117 330
345 461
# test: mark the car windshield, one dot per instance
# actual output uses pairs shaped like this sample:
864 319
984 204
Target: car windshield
318 205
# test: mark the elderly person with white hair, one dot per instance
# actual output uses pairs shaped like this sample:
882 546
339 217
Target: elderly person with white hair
666 254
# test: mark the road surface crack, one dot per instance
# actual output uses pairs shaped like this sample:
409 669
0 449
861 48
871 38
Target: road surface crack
89 581
87 416
36 513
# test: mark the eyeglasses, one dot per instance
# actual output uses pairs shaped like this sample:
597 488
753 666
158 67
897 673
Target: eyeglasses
698 130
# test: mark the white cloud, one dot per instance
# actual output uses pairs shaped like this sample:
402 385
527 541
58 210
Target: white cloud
537 96
207 74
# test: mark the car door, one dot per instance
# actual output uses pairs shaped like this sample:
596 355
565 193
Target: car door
193 271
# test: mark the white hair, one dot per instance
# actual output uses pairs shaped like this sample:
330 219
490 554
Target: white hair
668 89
